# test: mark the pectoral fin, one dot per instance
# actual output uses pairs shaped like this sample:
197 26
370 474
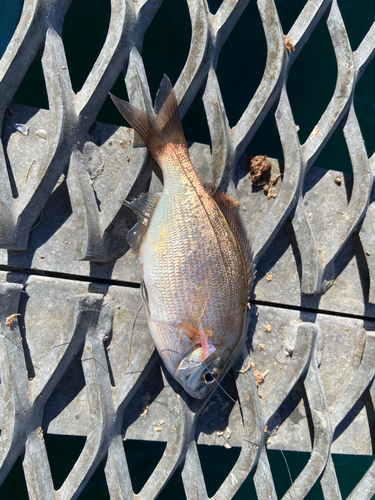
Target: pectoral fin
144 207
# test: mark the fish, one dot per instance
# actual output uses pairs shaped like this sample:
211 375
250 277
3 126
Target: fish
196 261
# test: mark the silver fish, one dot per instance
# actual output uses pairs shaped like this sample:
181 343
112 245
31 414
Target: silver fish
195 258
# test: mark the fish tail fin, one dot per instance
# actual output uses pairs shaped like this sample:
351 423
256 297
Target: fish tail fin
158 129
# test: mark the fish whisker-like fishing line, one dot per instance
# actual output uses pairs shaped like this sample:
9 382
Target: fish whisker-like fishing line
193 344
289 473
251 442
4 336
287 466
224 391
131 336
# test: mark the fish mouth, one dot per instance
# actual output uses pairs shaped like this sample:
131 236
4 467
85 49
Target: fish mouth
197 378
200 383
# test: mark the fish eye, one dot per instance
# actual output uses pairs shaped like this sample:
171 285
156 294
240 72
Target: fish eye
210 377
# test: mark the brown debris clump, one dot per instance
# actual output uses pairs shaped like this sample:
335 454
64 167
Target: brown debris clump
10 319
260 170
144 412
288 44
158 427
258 377
250 364
270 191
267 328
260 174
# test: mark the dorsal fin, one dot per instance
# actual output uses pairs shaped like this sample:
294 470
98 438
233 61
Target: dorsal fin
161 128
144 207
229 208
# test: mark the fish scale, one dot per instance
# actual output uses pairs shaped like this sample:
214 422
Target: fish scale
194 255
184 233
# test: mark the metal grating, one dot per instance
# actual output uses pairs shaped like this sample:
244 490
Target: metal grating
74 276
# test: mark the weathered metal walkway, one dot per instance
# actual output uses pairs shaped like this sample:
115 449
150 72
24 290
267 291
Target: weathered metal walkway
69 298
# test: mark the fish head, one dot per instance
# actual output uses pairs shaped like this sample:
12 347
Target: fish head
185 360
199 377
